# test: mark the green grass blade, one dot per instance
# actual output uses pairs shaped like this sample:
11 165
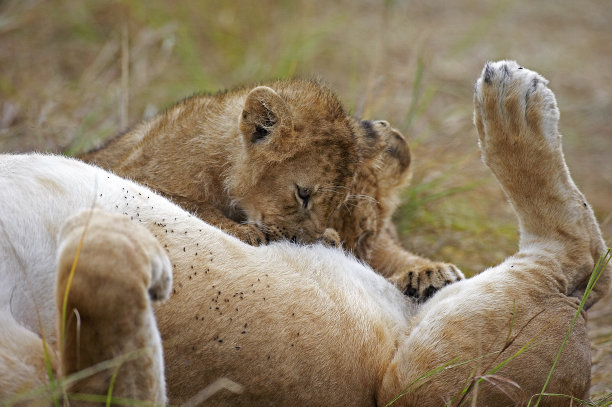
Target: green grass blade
448 365
69 284
111 386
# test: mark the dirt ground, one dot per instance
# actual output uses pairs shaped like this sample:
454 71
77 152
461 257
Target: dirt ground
74 72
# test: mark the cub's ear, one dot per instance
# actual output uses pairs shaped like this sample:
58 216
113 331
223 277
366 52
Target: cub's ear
265 116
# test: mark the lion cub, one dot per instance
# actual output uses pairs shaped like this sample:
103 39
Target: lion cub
282 161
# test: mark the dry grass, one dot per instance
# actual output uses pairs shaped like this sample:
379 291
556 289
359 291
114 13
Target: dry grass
74 72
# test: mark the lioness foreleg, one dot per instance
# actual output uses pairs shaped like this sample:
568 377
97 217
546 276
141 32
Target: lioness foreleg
109 324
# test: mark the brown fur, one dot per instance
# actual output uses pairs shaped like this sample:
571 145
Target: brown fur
240 160
307 326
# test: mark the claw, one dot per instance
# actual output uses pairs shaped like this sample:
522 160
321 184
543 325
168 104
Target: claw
506 70
488 73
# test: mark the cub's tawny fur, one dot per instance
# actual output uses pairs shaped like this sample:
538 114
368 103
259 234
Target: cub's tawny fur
295 325
282 161
259 163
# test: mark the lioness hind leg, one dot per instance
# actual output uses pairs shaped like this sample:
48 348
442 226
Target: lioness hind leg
109 325
23 366
497 334
516 117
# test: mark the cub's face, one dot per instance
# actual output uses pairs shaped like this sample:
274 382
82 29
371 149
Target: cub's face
295 198
302 155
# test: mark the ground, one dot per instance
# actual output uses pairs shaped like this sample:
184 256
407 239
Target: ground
74 72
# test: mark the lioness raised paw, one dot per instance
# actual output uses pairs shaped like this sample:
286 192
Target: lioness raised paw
424 278
516 116
514 106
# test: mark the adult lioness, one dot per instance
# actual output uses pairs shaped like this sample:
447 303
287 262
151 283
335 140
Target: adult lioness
282 161
300 325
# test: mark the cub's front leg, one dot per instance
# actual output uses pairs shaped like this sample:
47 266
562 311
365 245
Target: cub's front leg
247 232
364 221
417 277
109 323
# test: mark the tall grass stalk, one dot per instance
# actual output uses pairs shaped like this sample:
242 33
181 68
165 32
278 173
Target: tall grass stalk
50 375
65 299
75 261
417 87
111 386
122 401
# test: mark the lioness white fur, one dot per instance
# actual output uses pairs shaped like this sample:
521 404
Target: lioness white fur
298 325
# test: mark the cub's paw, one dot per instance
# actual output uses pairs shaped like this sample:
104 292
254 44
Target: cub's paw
330 238
514 110
274 233
248 233
425 279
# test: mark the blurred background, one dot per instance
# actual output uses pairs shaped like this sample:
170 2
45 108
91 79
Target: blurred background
74 72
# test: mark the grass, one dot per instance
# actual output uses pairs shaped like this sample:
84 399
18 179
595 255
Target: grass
412 63
56 390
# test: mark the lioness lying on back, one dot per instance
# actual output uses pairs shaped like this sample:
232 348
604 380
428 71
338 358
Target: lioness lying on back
347 337
281 162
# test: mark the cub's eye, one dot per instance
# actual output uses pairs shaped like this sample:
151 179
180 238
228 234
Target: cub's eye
302 195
